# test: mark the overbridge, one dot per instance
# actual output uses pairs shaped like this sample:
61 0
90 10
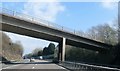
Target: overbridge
18 23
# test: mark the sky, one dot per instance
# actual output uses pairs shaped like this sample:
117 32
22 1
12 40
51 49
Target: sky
80 16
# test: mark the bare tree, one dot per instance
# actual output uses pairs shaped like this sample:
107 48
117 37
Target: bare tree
104 33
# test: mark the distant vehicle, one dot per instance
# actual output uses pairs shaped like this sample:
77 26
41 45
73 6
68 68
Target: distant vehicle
40 57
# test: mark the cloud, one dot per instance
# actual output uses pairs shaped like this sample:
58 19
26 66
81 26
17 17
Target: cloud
44 10
109 4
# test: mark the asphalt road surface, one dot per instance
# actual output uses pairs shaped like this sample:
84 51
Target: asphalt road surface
37 64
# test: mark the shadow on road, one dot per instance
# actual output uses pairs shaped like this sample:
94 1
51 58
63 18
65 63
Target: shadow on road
28 63
35 63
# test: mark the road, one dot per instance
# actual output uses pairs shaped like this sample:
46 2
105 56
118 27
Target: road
37 64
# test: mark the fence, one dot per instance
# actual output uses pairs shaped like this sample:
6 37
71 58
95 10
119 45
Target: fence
37 20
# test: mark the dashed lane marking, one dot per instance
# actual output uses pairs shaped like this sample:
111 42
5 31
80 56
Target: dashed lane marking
33 67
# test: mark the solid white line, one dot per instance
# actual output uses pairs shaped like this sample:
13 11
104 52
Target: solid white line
61 67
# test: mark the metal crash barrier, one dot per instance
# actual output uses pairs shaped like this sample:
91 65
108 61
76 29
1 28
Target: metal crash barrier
85 67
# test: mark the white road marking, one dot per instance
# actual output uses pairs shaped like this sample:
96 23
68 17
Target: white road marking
35 64
33 67
61 67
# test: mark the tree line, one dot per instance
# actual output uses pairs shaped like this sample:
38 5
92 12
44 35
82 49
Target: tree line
103 33
42 52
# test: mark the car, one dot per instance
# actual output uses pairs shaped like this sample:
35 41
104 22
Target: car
40 57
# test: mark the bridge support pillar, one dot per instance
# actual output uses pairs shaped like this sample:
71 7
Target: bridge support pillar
61 54
119 23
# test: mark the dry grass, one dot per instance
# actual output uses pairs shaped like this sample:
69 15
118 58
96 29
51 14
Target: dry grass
10 50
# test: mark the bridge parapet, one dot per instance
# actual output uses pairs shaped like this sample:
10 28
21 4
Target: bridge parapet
36 20
40 21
